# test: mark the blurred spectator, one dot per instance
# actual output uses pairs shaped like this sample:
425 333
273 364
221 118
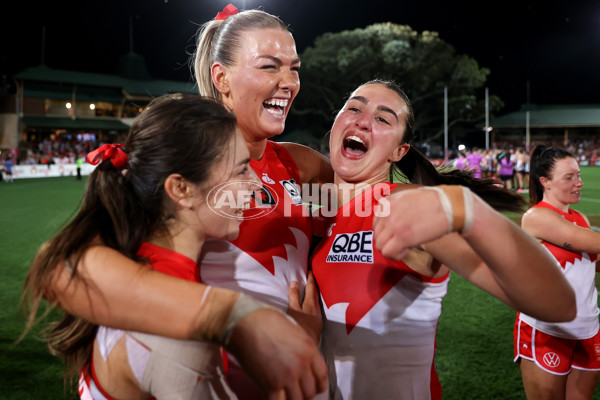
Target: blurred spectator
521 168
8 169
461 161
506 168
474 160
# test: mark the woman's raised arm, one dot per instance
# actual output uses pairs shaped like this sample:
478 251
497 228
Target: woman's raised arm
516 268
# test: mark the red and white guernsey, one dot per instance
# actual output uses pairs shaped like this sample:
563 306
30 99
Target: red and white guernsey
579 268
206 373
274 240
381 316
271 249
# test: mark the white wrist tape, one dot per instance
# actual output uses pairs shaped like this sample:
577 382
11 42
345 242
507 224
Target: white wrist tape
219 311
243 306
457 202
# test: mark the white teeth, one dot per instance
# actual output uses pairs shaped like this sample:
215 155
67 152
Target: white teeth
277 102
274 111
355 138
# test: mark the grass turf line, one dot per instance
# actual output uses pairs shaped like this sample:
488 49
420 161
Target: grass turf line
474 356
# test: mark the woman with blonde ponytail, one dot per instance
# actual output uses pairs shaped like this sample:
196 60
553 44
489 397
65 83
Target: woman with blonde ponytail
248 62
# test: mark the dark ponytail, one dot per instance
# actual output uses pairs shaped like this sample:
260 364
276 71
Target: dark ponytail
416 168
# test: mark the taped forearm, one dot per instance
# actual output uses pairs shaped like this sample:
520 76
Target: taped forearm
524 269
113 290
457 202
220 310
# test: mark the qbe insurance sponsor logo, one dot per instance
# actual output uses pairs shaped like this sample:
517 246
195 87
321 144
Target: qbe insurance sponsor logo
354 247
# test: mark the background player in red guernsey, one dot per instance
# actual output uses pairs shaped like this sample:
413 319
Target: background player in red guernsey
561 360
381 314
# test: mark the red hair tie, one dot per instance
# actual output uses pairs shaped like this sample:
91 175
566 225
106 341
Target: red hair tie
228 11
112 152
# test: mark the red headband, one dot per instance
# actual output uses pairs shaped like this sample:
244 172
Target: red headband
112 152
228 11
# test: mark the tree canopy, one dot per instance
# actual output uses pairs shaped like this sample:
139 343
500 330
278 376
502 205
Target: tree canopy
421 63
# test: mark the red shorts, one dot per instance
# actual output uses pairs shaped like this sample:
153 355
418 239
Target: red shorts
553 354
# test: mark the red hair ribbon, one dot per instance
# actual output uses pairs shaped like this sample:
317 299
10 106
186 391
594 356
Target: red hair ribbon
112 152
228 11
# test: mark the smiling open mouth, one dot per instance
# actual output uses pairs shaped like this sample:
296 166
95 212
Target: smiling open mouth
275 106
355 146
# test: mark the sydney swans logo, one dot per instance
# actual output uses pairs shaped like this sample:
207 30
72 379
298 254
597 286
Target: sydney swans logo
241 200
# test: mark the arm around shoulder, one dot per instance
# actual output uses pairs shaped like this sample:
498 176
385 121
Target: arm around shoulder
313 166
113 290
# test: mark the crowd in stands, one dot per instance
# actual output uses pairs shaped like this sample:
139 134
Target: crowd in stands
60 149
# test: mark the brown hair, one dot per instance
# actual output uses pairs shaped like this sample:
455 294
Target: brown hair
416 168
181 133
542 163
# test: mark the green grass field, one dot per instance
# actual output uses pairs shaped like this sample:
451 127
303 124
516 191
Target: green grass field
474 357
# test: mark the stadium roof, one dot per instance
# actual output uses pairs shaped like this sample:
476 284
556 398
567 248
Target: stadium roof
74 123
132 82
551 116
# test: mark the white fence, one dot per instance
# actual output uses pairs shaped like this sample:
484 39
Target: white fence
48 171
55 170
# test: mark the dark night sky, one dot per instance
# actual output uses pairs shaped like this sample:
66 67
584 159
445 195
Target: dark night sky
553 45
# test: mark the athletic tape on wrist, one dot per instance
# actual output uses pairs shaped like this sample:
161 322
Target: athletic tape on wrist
469 214
457 203
244 305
